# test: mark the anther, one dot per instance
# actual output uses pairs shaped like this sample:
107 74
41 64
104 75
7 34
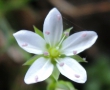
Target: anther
61 64
84 34
59 17
84 59
24 44
47 32
46 53
66 33
77 76
74 52
36 78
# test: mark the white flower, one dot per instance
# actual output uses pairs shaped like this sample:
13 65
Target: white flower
53 45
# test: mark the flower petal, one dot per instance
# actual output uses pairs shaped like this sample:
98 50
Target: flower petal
78 42
72 70
40 70
30 41
53 27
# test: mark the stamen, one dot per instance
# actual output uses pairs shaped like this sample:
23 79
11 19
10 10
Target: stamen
77 76
74 52
59 17
24 44
46 53
61 64
66 33
36 78
84 59
61 40
47 32
57 61
84 34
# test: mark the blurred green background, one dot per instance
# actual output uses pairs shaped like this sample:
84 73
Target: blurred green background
81 14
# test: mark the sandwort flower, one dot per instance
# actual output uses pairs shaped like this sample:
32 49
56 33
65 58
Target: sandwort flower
55 44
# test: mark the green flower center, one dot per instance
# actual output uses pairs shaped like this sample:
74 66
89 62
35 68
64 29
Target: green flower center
54 53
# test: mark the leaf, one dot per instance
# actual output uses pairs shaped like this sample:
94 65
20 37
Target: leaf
55 73
64 85
38 31
78 58
31 60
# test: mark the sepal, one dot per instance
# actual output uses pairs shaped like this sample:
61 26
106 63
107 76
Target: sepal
55 73
78 58
38 31
31 60
64 85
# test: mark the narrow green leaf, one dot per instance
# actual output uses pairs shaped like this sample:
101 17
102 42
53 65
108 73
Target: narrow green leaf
56 73
78 58
38 31
31 60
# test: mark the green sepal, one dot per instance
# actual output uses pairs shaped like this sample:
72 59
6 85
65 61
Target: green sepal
38 31
55 73
62 56
64 85
51 86
51 83
78 58
65 36
68 30
31 60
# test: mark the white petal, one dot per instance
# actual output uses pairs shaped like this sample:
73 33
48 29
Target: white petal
72 70
53 27
30 41
78 42
40 70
